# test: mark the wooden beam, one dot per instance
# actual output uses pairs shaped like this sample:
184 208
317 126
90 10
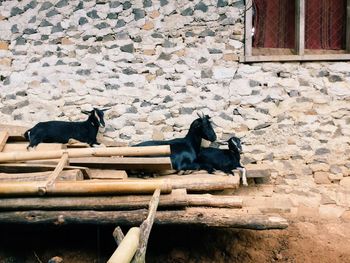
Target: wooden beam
300 27
210 217
108 174
33 168
87 187
22 147
127 248
15 132
68 175
348 26
86 152
248 41
124 163
175 199
329 57
4 135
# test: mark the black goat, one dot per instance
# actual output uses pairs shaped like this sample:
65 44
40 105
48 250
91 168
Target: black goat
184 151
62 131
225 160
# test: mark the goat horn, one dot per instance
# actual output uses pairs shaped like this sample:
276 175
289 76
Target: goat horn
200 114
106 109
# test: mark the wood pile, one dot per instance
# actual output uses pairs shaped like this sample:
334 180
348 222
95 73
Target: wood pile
73 183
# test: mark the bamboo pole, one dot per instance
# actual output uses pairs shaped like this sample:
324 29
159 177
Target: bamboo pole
86 152
88 187
127 248
209 217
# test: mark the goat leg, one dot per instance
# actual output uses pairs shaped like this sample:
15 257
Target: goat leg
244 175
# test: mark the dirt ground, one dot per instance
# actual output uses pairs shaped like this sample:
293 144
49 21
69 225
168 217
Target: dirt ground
311 241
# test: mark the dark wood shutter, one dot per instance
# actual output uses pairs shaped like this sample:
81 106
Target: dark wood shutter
274 23
325 24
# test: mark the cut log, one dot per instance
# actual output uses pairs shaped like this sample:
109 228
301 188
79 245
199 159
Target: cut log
88 187
202 182
127 248
68 175
33 168
222 201
210 217
3 139
86 152
173 200
108 174
22 147
126 163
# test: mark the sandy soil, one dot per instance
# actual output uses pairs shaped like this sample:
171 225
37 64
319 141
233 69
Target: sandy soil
319 241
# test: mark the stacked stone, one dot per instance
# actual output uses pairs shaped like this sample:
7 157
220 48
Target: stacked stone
155 63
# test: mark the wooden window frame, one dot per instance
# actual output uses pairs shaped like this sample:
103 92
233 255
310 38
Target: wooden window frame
299 38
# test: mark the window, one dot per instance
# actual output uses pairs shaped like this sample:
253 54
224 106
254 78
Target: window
292 30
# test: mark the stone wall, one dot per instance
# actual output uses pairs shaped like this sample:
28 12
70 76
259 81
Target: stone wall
155 63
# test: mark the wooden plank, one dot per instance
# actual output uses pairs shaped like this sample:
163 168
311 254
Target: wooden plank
108 174
209 217
22 147
175 199
86 187
108 143
306 57
4 135
300 27
15 132
33 167
68 175
124 163
348 26
87 152
248 28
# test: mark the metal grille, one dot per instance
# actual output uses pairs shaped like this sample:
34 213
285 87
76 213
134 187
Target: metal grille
325 24
274 23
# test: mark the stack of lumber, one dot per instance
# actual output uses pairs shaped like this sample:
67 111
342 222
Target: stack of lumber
72 183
